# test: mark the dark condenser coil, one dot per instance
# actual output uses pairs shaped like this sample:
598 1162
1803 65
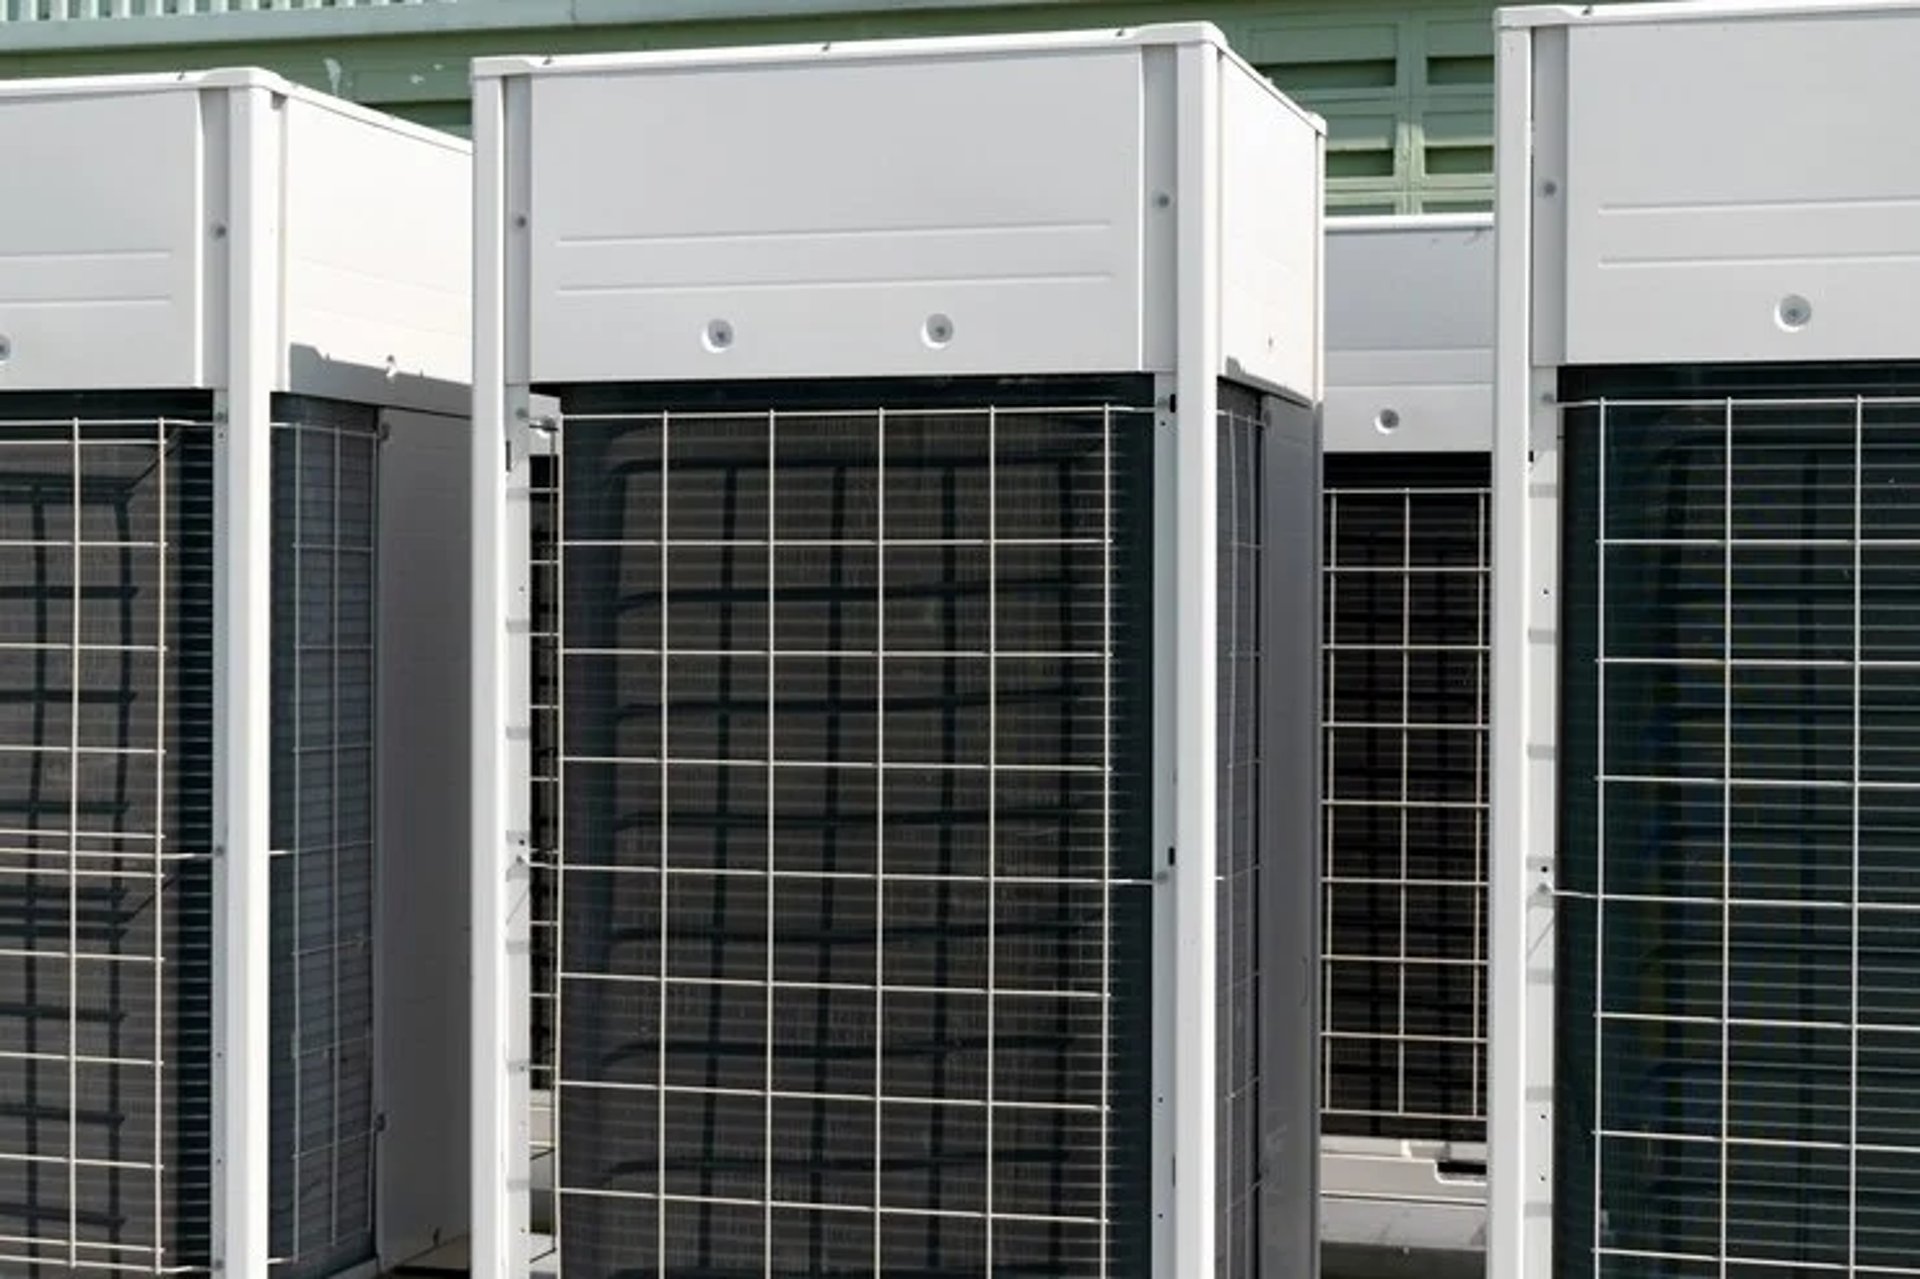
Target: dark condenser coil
1406 599
860 618
234 606
1704 777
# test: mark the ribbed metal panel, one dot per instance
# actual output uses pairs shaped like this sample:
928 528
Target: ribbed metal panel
543 507
1739 964
106 641
1405 653
324 540
853 866
1242 818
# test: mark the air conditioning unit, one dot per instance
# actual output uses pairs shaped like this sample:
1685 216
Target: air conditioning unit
1407 545
232 553
934 466
1707 440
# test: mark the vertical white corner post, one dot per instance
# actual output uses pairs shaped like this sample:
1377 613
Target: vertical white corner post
243 665
1520 1011
1196 660
500 1056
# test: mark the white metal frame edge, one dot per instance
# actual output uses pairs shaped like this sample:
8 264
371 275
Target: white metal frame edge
243 672
500 1208
1524 703
1196 674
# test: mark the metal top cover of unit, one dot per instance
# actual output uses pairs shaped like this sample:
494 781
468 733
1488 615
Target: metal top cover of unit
1409 334
1669 11
764 218
1723 190
137 237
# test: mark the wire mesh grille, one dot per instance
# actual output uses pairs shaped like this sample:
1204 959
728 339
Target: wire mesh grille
321 1027
543 498
1241 818
1739 967
852 858
1405 802
106 522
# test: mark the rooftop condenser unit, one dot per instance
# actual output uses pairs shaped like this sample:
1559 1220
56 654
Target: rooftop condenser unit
1406 594
233 322
1706 1013
933 495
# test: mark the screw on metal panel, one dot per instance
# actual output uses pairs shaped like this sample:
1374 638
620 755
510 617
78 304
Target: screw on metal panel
219 230
938 330
1387 421
1162 200
519 221
1793 312
1549 187
6 347
719 335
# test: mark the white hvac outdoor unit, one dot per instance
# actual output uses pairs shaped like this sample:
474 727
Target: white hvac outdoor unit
233 349
934 499
1406 596
1707 486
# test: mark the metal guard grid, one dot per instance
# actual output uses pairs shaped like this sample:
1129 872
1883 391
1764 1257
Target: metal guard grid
105 857
1242 821
543 563
1739 962
325 535
887 782
1404 971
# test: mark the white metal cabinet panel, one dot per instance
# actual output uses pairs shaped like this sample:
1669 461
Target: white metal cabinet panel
370 283
1270 229
1409 335
656 251
1728 169
106 255
424 596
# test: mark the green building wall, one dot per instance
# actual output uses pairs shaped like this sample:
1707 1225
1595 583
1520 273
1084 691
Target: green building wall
1407 88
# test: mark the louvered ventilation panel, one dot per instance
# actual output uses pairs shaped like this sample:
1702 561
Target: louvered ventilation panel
1406 546
1739 961
853 865
324 539
107 564
106 643
1241 814
543 569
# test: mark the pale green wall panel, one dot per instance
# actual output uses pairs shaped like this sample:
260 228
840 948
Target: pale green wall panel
1406 87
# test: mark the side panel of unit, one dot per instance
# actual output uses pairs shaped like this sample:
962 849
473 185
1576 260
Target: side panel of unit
933 217
379 263
1270 214
102 238
1409 337
424 613
1738 193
